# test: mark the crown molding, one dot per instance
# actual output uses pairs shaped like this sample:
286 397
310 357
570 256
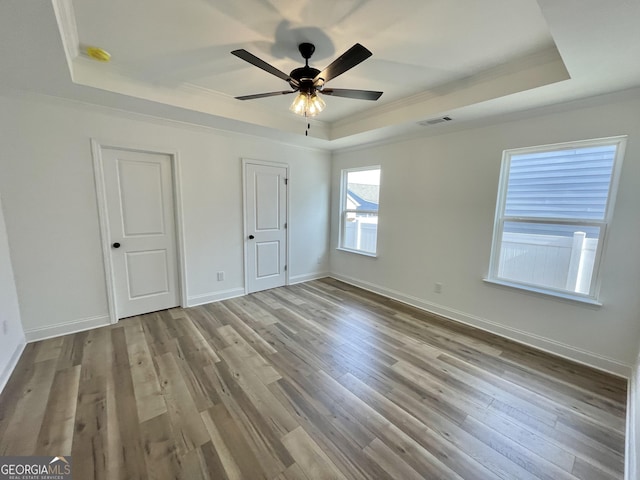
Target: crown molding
534 70
66 19
83 105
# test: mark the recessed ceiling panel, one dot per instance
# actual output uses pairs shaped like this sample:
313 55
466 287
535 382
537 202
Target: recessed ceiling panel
417 45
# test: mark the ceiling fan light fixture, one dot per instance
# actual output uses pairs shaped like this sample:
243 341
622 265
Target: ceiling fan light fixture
307 104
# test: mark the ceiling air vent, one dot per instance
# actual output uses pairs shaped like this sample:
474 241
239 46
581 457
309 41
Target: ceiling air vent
435 121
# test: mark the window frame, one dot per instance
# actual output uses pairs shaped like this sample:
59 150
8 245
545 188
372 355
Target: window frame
500 218
344 174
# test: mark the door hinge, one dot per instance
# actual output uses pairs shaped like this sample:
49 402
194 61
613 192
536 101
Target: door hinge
285 268
286 181
285 224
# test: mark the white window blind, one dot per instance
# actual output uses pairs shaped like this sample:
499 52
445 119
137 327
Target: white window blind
571 183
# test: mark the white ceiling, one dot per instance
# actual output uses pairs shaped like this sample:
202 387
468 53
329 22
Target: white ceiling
463 58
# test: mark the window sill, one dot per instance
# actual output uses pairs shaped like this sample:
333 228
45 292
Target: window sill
542 291
358 252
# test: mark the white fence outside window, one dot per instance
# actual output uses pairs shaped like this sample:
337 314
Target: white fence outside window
360 233
559 262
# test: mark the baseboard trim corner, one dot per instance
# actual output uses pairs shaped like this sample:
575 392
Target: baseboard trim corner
66 328
584 357
195 300
307 277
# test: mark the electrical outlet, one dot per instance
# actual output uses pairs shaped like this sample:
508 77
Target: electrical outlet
220 276
437 287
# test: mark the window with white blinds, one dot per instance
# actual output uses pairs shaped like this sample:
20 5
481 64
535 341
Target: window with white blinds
554 206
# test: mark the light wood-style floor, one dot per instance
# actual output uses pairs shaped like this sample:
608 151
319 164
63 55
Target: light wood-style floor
318 380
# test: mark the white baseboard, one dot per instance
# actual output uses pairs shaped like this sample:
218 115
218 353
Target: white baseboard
195 300
594 360
5 374
65 328
307 277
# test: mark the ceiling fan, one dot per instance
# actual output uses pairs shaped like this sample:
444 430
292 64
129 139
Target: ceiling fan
309 81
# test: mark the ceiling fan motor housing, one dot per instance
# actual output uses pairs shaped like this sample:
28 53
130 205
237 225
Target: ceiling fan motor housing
304 76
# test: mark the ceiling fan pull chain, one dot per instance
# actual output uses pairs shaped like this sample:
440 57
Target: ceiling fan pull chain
306 132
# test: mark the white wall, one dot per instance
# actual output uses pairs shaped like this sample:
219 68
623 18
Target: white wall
632 453
46 176
437 206
11 341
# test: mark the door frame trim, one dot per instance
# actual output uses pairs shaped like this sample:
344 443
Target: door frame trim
252 161
97 146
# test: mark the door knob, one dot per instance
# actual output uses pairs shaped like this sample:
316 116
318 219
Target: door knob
116 245
251 237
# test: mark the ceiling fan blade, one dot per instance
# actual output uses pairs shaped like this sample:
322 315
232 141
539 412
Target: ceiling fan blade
348 93
253 60
344 62
264 95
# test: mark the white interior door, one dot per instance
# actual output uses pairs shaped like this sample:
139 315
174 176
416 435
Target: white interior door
139 195
266 222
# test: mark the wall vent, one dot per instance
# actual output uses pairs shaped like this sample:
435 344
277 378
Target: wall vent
435 121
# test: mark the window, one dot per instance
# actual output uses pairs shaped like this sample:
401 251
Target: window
554 206
359 210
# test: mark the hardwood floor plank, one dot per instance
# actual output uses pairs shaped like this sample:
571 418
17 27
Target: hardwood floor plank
516 399
56 434
324 404
239 321
316 419
586 471
314 380
310 457
194 343
294 472
72 350
228 467
184 417
439 397
593 453
19 436
214 466
202 386
49 349
160 449
200 464
445 440
389 461
521 456
255 388
148 394
127 449
258 432
582 428
411 450
537 443
90 440
207 325
244 456
15 387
